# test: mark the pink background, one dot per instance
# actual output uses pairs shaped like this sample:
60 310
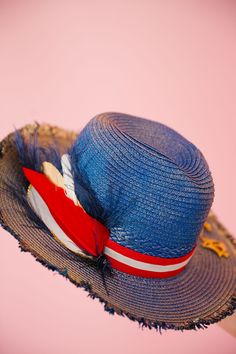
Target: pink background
62 62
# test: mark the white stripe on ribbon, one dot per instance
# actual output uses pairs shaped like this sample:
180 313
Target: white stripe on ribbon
143 265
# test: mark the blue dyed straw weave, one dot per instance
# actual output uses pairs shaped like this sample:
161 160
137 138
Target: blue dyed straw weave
159 180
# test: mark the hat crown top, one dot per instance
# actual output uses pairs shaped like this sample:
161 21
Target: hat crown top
153 184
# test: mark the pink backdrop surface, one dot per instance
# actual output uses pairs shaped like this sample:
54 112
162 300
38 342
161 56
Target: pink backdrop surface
62 62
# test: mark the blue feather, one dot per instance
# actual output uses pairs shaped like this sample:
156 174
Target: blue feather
32 153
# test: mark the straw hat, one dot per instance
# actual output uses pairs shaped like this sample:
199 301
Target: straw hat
122 209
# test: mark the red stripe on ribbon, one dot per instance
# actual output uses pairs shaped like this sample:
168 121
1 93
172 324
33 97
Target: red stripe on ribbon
144 257
140 272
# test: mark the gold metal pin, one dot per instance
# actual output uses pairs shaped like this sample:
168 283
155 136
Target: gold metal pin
218 247
207 226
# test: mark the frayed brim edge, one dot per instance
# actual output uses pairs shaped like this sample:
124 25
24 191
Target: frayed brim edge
143 323
199 323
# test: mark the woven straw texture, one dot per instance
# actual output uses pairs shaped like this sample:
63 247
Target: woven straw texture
158 179
202 294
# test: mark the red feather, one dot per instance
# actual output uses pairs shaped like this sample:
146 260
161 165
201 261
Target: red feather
85 231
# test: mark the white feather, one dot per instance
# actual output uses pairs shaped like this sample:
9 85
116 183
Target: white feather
41 209
68 178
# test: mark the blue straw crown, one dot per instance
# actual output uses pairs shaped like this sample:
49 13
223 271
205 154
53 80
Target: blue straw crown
153 185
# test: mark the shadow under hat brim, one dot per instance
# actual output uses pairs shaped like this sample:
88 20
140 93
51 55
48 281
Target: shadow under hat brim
203 293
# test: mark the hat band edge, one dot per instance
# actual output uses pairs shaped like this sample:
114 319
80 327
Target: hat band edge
120 257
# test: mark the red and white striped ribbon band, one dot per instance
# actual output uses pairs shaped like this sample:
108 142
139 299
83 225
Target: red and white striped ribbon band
139 264
120 257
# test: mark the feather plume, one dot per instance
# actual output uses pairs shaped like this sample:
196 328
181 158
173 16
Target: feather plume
32 154
68 179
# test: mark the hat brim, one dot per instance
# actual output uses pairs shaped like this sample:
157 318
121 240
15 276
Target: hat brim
203 293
